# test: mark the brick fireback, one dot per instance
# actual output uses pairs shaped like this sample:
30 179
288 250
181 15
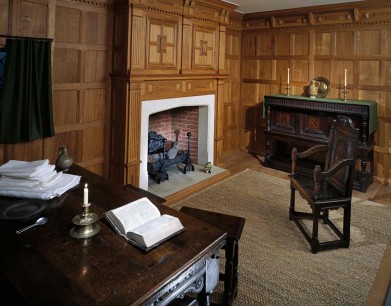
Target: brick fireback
184 119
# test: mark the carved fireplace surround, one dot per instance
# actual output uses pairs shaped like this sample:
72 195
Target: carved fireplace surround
129 124
205 127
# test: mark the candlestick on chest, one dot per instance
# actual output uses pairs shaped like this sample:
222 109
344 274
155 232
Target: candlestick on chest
85 197
346 74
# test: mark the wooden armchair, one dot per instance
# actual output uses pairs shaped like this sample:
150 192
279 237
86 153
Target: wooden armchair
327 189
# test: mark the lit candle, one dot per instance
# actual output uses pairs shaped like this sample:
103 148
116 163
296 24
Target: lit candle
346 73
85 198
288 74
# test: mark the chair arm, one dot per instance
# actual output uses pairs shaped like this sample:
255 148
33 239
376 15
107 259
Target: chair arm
313 150
320 176
295 155
335 168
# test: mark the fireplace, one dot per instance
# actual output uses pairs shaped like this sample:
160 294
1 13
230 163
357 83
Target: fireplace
205 149
174 124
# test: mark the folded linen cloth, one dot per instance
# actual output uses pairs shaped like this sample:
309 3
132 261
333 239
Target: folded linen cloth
23 169
45 175
66 182
34 180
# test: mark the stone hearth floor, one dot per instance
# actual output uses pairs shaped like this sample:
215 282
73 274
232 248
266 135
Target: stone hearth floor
178 181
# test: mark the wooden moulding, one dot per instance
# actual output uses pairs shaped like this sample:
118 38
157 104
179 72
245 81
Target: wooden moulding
331 15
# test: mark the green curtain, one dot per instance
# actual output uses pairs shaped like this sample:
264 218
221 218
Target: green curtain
26 111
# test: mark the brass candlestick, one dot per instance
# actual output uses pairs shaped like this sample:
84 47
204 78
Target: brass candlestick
287 89
85 225
345 93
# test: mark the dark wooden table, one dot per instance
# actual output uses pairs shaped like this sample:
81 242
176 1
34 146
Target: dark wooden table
47 266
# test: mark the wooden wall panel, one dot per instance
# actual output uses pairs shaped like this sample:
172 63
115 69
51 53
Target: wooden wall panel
95 66
323 68
249 93
4 11
27 21
301 44
250 69
249 44
299 70
386 42
368 43
282 44
263 44
93 141
265 70
32 150
383 107
386 72
65 107
119 52
81 63
94 106
355 37
69 19
231 129
372 72
344 43
66 65
322 44
96 30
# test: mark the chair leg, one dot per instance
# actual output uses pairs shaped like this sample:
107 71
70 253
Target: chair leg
326 216
346 224
315 225
292 203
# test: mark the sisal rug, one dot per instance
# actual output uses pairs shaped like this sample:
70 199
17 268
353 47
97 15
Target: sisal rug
276 266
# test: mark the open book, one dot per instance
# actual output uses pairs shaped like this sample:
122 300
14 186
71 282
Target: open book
141 223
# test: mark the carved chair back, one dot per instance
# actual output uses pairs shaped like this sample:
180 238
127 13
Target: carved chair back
343 145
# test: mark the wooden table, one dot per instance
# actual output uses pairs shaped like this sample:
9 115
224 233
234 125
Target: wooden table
47 266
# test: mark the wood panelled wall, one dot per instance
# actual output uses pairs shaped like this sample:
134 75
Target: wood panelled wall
319 41
231 136
81 53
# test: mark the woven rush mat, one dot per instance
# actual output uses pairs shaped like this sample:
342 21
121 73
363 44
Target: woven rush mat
276 266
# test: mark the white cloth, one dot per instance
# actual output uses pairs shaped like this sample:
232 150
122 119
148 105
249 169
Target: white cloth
66 182
18 168
34 180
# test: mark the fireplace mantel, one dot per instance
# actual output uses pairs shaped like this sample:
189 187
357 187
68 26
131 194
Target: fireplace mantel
152 62
126 118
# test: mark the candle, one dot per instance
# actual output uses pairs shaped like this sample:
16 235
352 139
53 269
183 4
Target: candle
288 74
85 198
346 73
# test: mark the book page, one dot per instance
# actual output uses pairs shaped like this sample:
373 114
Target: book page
155 230
136 213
